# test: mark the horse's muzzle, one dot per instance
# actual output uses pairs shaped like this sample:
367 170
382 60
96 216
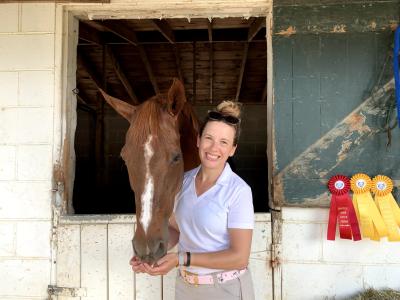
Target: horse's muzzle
151 252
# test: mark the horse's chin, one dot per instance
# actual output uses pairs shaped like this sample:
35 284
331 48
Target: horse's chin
150 260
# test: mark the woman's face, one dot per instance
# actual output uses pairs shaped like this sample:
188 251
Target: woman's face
216 144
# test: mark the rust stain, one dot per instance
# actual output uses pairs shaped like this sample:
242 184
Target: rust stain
356 122
288 32
340 28
278 187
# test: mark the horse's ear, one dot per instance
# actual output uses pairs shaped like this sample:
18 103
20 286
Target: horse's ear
176 97
124 109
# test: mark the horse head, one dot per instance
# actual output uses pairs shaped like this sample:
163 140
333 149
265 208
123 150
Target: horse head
159 145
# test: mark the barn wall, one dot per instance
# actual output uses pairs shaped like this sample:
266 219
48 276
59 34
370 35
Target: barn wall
315 268
325 123
322 74
27 33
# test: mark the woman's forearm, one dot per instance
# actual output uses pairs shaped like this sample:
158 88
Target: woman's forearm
173 237
229 259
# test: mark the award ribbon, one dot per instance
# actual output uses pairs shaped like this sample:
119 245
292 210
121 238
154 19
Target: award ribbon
341 210
371 222
382 187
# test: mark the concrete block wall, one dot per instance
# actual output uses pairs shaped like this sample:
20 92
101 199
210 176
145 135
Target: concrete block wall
27 35
315 268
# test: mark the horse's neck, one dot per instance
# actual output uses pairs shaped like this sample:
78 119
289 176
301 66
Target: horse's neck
189 131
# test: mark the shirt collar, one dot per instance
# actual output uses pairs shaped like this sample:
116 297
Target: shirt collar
223 179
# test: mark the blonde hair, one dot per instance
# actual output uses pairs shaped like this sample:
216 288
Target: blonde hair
230 108
227 108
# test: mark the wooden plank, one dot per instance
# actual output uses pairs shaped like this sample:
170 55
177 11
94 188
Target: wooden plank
165 29
242 67
211 54
121 75
94 261
68 258
121 30
85 64
120 275
260 257
168 282
194 73
90 34
255 27
337 18
148 67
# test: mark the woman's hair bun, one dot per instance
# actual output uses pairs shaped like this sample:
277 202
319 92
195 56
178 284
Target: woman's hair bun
230 108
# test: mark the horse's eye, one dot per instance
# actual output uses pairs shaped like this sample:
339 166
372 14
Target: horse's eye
176 158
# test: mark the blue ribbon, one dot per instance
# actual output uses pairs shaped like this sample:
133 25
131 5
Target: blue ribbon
396 70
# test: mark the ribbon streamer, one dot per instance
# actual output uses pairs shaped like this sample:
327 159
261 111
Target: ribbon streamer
341 210
371 222
382 187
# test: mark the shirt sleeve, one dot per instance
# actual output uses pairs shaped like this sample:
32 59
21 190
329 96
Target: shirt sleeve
241 211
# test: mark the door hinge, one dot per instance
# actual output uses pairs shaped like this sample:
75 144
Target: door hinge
275 255
53 290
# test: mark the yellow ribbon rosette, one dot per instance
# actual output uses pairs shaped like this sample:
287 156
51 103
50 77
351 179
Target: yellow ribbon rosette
382 187
371 222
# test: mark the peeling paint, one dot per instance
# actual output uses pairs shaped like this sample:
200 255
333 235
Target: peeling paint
288 32
344 138
339 28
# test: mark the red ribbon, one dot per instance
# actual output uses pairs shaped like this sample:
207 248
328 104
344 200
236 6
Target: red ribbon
342 210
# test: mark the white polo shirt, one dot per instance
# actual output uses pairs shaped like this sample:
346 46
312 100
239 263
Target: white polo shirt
204 221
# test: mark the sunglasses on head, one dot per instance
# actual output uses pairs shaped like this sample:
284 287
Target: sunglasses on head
217 116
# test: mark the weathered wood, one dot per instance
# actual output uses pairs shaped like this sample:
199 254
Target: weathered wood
178 62
242 68
149 69
85 64
120 30
94 261
255 27
69 258
90 34
355 17
194 72
121 75
211 54
165 29
120 275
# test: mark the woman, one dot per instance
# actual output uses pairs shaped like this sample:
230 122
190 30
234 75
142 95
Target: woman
213 220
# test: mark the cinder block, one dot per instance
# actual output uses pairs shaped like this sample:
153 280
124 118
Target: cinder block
361 252
8 88
33 239
305 215
34 162
9 17
35 125
27 52
36 88
25 278
8 126
382 276
319 281
25 200
38 17
7 240
7 162
301 242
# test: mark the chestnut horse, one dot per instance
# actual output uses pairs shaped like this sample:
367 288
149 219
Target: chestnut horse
160 144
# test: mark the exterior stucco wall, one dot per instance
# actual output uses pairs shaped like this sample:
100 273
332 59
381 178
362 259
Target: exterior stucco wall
27 34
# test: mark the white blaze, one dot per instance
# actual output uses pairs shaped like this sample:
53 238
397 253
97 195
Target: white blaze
148 191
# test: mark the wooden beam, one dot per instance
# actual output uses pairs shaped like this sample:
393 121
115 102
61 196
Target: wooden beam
121 30
255 27
194 72
211 58
178 62
265 92
209 27
148 67
84 62
121 75
242 67
166 30
129 35
90 34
